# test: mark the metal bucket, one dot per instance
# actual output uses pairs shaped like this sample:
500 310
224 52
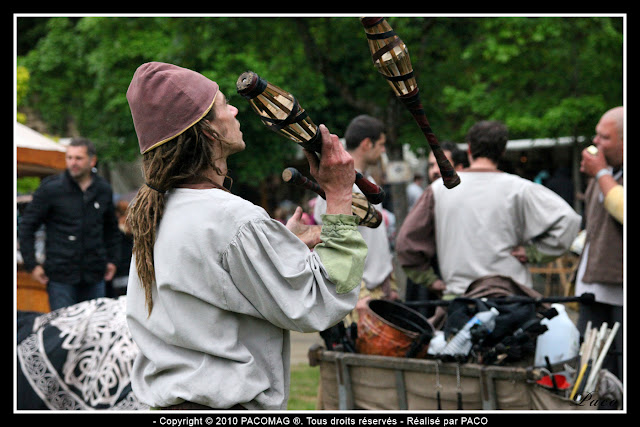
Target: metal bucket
389 328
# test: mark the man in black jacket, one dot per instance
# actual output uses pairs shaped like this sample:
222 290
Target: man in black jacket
82 240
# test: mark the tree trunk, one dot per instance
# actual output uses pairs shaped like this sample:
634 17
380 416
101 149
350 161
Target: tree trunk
398 195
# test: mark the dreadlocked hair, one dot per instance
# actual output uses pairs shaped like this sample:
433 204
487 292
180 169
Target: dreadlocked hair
179 160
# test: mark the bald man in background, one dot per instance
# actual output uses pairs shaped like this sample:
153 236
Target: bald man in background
600 270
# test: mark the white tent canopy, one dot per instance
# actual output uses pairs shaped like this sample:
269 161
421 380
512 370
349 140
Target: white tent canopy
36 154
528 144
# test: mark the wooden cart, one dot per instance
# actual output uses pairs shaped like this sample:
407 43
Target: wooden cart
359 381
31 295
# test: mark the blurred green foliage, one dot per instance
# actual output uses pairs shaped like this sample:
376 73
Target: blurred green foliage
542 76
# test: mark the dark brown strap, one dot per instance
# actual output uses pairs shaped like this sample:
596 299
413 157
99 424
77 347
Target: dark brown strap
313 144
386 48
380 36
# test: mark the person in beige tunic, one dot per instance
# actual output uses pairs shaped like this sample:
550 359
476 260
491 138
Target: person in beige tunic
491 223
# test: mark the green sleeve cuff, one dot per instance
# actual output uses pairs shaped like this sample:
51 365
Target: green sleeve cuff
421 277
534 256
342 251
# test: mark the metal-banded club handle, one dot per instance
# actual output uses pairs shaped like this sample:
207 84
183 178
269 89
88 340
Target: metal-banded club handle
391 58
374 193
360 206
280 111
293 176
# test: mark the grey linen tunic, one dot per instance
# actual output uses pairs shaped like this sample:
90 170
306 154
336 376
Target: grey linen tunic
230 284
474 226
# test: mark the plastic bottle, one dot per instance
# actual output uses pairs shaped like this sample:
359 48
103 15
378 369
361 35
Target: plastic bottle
460 344
561 341
437 343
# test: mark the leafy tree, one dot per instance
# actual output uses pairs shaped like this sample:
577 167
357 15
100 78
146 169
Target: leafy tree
542 76
22 88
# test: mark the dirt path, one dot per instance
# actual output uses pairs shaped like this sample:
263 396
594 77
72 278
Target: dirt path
300 344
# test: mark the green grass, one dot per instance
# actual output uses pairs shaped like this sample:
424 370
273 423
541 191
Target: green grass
304 387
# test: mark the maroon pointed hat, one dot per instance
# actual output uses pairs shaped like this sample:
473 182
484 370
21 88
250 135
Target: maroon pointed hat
166 100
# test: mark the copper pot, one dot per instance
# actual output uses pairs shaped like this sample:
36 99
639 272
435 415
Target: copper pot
388 328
